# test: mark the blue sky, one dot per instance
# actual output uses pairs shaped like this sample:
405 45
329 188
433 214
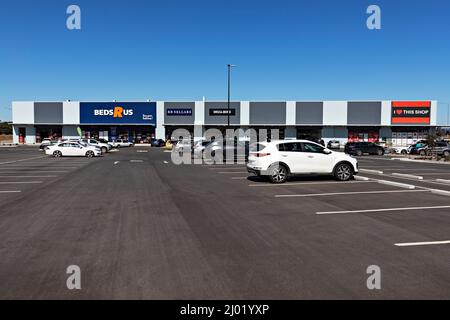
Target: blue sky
173 49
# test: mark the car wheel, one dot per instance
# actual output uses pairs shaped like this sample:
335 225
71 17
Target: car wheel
446 153
422 153
278 174
359 153
90 154
343 172
104 150
404 152
57 154
380 152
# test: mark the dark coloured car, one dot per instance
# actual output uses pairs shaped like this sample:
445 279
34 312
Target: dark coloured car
360 148
157 143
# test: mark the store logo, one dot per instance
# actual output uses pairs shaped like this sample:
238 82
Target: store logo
117 112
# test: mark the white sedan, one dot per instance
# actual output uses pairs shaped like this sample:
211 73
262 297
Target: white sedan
73 149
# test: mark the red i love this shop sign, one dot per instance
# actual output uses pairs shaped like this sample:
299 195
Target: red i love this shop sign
411 112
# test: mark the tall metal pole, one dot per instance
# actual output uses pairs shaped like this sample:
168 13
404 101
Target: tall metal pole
228 101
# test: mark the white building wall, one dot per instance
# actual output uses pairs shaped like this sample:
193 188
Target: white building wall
199 120
290 113
71 112
15 134
160 130
245 113
335 113
23 112
386 113
433 115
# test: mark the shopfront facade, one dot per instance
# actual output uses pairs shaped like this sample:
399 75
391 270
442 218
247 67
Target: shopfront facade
393 122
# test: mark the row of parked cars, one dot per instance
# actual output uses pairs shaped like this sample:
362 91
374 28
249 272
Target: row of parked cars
423 148
81 147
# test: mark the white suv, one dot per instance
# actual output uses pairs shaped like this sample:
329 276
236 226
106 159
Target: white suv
279 159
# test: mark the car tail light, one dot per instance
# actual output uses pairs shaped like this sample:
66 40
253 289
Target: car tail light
260 154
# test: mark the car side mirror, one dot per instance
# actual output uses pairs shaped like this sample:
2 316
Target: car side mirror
326 151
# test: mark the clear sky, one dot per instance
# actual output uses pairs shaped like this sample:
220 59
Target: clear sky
178 49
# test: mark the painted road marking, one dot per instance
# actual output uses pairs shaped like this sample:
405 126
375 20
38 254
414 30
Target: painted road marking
406 178
116 162
407 175
37 171
239 178
443 181
397 184
361 178
17 182
440 192
410 244
28 176
305 183
14 161
166 162
12 191
138 161
371 171
142 151
383 210
344 193
233 172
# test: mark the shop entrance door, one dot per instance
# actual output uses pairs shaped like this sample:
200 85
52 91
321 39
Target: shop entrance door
22 135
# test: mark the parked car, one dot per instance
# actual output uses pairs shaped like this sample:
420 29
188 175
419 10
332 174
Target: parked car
222 150
72 149
402 149
104 147
280 159
157 142
119 143
101 140
420 148
46 142
441 148
359 148
333 144
182 146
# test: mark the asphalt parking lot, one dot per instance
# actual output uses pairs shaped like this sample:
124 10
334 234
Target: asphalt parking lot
141 227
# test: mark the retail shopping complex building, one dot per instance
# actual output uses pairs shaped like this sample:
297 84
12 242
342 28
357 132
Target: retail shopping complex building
396 122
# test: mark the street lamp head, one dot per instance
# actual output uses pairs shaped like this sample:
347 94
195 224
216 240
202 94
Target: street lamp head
232 65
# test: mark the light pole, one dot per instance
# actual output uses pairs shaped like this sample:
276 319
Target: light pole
229 90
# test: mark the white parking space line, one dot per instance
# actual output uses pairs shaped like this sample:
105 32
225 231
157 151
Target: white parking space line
306 183
383 210
53 176
11 191
344 193
35 171
440 192
233 172
410 179
434 174
361 178
397 184
37 167
136 161
371 171
19 182
427 243
20 160
232 168
239 178
407 175
443 181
